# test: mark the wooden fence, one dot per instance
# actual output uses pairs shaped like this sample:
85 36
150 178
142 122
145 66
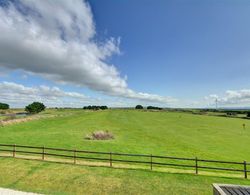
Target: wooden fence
112 157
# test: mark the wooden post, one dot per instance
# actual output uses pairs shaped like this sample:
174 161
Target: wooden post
74 156
43 153
110 159
196 165
151 162
14 150
245 169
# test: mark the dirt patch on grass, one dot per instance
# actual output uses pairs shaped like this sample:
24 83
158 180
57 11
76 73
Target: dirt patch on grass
100 135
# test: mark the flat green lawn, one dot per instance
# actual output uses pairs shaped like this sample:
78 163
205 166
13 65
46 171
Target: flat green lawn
163 133
54 178
158 133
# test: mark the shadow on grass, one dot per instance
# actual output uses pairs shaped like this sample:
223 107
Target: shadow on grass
172 171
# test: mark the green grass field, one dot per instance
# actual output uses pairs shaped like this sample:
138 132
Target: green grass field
54 178
158 133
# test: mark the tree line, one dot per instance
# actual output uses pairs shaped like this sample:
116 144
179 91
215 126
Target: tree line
95 107
33 108
149 107
37 107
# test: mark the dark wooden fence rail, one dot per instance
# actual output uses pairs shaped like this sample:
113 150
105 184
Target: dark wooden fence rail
109 157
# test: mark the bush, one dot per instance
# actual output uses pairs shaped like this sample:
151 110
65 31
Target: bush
35 107
95 107
153 108
103 107
231 113
139 107
2 112
4 106
100 135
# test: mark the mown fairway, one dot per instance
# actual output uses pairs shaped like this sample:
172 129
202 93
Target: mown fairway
159 133
163 133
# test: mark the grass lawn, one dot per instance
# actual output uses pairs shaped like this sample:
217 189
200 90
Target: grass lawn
158 133
54 178
163 133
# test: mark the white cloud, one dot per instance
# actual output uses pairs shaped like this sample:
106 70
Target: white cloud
231 97
56 39
19 95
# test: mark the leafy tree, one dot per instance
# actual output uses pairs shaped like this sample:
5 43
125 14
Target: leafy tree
95 107
35 107
103 107
153 108
139 107
248 114
4 106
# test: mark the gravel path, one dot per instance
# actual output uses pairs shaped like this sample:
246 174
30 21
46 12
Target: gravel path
4 191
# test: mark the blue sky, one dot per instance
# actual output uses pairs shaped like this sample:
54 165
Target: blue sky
167 53
185 44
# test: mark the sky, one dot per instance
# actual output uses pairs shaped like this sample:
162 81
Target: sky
168 53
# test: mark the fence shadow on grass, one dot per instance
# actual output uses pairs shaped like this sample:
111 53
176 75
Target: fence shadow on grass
127 161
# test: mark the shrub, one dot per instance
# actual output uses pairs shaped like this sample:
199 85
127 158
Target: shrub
2 112
231 113
153 108
139 107
35 107
4 106
100 135
103 107
95 107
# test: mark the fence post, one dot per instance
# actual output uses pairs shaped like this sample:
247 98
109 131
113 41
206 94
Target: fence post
196 165
110 159
43 153
14 150
245 169
74 156
151 162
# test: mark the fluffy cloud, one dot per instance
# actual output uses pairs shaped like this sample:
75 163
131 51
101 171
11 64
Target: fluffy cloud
19 95
56 39
231 97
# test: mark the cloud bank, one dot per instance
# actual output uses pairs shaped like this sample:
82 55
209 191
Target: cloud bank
56 39
20 95
231 97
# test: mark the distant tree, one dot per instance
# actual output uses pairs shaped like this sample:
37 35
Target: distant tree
103 107
139 107
4 106
35 107
95 107
231 113
153 108
248 114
